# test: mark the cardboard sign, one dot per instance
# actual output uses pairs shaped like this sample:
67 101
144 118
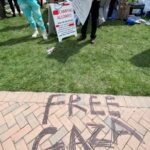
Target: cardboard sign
64 20
82 9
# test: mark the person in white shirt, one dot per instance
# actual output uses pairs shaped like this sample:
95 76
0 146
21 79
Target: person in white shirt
94 16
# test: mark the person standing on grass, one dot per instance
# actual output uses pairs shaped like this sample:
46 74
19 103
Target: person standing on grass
13 8
94 14
112 6
103 11
31 8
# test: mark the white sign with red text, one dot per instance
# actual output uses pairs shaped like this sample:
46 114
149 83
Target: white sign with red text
64 20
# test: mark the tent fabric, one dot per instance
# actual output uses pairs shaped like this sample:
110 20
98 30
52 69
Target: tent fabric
147 4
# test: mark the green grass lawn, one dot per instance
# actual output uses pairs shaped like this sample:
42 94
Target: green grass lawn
119 63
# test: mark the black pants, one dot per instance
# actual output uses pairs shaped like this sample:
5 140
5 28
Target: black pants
12 6
2 9
94 14
111 7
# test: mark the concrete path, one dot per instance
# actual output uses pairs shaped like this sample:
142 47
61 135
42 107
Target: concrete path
52 121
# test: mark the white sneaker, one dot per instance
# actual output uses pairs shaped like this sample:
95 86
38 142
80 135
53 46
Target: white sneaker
44 35
49 51
101 21
35 34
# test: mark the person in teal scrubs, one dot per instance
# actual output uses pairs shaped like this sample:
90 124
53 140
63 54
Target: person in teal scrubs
31 10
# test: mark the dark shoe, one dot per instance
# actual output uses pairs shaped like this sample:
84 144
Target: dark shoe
81 38
2 17
14 15
93 41
20 14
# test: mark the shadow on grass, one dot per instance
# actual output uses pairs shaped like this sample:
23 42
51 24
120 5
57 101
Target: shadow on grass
113 23
142 59
6 17
52 39
11 28
66 49
14 41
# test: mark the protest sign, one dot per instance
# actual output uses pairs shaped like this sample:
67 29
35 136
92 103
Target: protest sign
63 18
82 9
